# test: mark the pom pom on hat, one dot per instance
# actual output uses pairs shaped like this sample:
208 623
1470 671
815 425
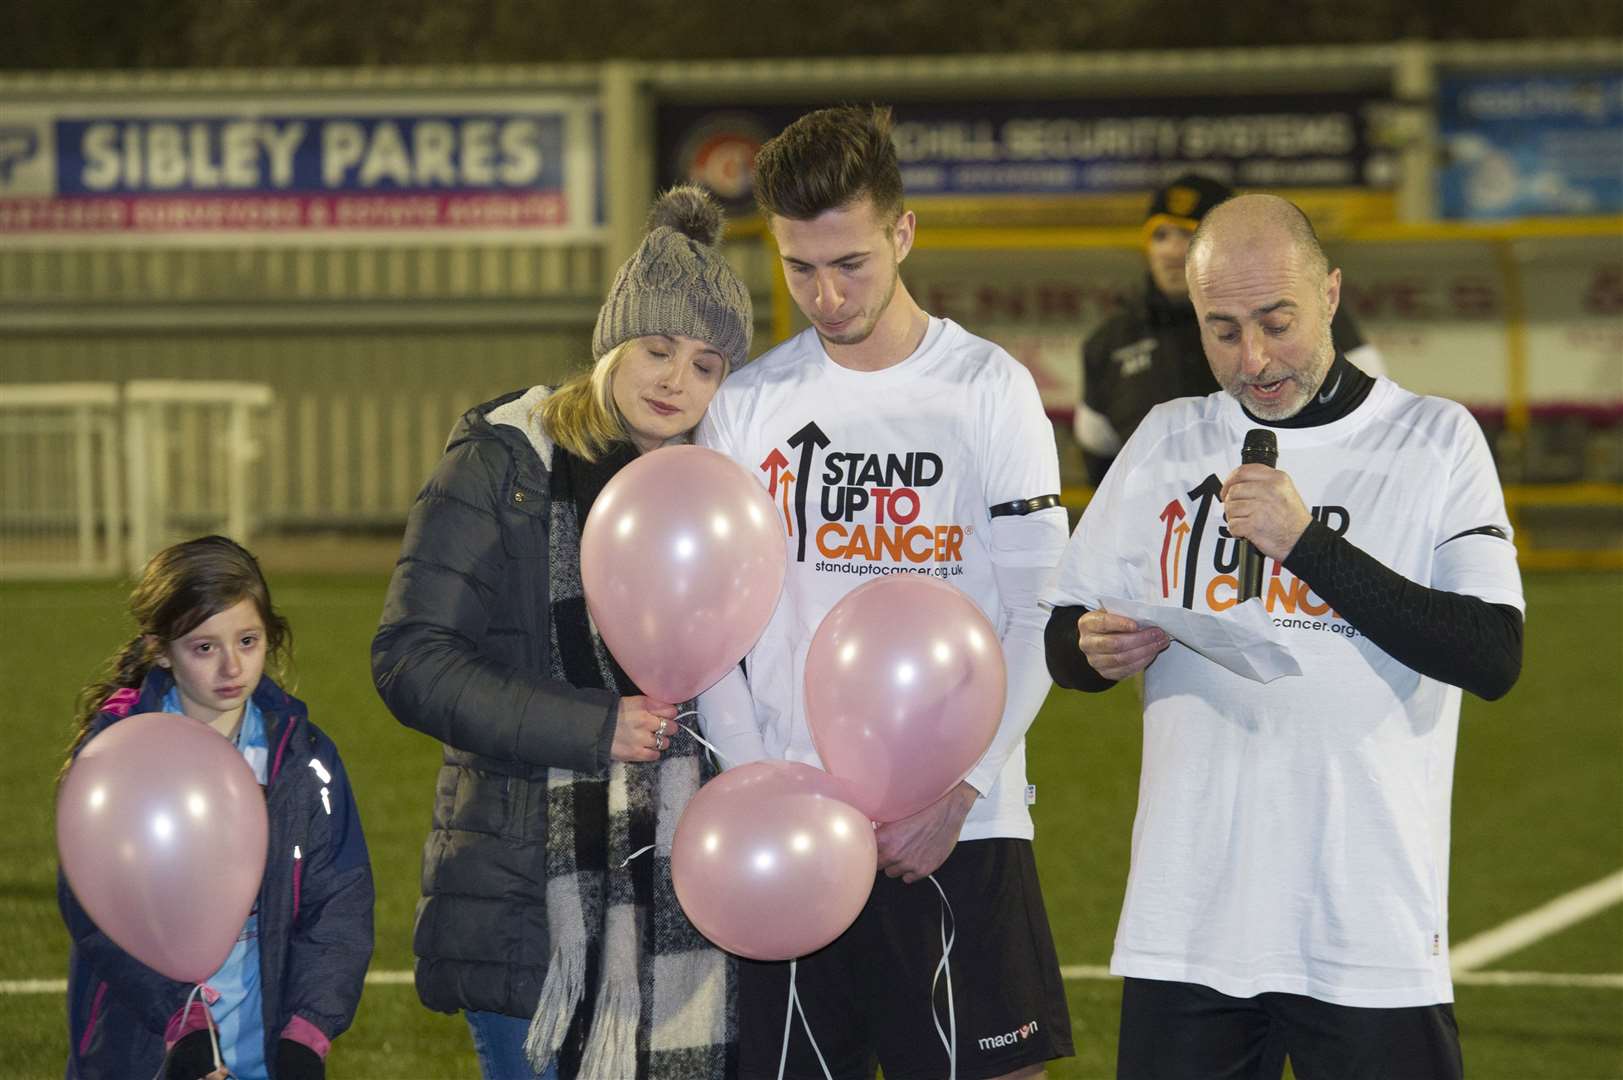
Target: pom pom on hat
679 283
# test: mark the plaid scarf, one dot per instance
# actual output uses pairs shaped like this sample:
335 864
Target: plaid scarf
632 989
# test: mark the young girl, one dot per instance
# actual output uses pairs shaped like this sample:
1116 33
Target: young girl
206 630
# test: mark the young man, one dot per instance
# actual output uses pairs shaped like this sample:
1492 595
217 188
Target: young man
1149 352
881 417
1289 878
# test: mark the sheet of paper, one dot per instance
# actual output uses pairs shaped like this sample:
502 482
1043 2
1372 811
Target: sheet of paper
1242 639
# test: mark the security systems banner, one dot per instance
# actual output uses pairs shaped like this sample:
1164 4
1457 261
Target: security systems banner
338 170
1085 147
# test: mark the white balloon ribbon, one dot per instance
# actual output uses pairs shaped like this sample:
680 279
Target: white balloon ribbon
640 851
949 934
948 1035
208 1020
788 1019
717 755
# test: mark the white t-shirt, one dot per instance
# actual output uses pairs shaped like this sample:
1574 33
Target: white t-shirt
884 472
1294 836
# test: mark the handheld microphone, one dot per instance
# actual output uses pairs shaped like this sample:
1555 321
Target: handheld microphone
1260 448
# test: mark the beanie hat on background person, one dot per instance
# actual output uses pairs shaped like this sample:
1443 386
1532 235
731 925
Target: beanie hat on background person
678 282
1184 202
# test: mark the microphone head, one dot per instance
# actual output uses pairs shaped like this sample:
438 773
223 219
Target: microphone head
1260 448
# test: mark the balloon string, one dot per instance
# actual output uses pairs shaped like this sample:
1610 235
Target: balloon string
795 994
788 1018
208 1021
721 759
704 742
949 1038
214 1038
633 855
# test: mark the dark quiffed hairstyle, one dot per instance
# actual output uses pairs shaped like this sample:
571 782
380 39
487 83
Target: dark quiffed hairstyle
829 159
182 587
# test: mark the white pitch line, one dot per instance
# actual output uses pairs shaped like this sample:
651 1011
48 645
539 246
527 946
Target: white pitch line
290 597
1537 978
1072 972
33 986
1081 972
1535 925
60 986
389 978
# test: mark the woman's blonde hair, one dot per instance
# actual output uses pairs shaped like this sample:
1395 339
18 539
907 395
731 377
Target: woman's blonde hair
581 415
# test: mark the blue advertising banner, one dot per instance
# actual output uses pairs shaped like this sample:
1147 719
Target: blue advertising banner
1529 145
1091 147
307 170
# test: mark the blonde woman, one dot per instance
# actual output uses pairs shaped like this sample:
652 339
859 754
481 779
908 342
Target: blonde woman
557 768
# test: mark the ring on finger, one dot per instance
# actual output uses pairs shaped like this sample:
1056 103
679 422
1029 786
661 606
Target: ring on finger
660 730
659 741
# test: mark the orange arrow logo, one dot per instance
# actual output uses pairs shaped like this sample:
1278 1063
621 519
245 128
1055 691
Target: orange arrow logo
1177 555
788 516
1171 514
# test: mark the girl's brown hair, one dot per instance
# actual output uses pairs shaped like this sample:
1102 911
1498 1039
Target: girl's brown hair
182 587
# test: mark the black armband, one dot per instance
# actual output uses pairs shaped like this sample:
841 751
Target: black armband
1022 507
1067 664
1462 640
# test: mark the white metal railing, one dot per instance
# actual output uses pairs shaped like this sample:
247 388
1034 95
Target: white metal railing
95 477
59 498
189 446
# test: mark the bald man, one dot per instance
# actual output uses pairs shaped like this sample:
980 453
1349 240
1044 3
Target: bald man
1149 351
1289 875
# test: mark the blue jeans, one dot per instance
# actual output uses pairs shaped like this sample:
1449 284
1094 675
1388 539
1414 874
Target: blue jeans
499 1042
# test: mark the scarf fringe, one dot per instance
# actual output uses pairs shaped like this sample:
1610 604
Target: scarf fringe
560 997
611 1049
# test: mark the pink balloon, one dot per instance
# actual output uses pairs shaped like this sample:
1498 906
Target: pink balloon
161 828
682 559
771 862
905 683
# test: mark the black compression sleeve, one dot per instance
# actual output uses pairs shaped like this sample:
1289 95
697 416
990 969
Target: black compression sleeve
1067 664
1461 640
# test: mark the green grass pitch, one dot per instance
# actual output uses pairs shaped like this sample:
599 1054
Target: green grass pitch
1538 811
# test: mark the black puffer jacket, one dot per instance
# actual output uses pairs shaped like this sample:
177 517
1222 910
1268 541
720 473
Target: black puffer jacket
461 654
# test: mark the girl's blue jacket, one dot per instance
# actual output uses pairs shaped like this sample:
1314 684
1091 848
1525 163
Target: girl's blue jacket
315 912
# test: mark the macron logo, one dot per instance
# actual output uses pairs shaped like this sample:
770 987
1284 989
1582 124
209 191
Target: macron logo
1024 1031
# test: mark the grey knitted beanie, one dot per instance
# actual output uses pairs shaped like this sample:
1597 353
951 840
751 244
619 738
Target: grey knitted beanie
678 282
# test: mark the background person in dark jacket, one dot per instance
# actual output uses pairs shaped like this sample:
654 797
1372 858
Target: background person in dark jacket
206 629
1150 351
557 770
